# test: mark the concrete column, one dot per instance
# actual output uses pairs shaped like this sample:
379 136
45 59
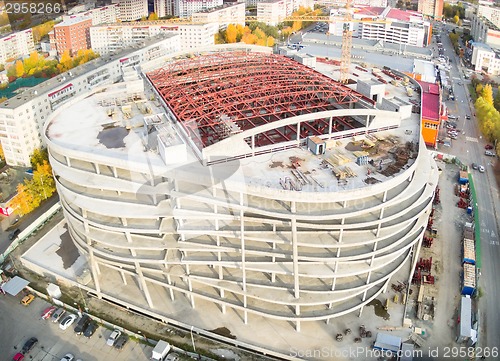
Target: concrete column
243 254
124 221
384 198
123 277
295 252
68 161
298 132
170 289
297 326
143 284
115 172
330 123
97 168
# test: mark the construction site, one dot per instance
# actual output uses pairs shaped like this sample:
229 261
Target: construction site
240 189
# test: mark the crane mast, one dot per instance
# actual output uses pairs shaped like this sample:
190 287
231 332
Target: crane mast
345 60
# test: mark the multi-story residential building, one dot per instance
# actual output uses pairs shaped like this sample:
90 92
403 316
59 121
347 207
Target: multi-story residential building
223 16
163 8
432 8
272 12
72 34
111 38
291 5
23 117
483 30
341 3
131 10
103 15
489 12
16 45
389 25
187 7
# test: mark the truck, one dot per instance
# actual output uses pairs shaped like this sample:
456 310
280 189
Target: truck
160 351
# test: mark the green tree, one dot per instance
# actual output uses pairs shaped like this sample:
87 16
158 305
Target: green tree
39 157
496 101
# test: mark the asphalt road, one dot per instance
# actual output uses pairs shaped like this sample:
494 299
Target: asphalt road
469 147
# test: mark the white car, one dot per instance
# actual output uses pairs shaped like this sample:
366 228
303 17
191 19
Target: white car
68 357
113 337
67 321
481 169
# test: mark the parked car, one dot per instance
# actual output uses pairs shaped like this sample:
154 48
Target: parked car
90 329
113 337
173 357
121 341
474 166
27 299
14 234
82 324
18 357
67 321
68 357
28 345
48 312
467 117
489 153
481 169
56 316
488 147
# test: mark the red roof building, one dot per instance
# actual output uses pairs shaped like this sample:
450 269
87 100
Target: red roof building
432 113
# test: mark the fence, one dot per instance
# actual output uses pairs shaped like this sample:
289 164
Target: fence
32 228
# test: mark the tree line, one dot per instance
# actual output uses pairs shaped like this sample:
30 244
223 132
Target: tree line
38 66
487 112
35 190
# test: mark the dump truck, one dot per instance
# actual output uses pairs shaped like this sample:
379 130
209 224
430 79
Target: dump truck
160 351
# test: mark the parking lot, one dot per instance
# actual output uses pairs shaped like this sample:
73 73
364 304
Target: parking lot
19 323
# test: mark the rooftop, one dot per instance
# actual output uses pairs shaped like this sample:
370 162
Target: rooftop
72 20
86 123
58 81
430 100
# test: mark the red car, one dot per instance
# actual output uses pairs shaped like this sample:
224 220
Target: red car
48 312
18 357
488 147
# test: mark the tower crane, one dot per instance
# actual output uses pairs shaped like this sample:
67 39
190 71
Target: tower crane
345 60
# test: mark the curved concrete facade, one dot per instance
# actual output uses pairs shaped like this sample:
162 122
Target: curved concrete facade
231 238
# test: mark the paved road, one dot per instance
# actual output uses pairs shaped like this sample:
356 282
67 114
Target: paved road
19 323
470 148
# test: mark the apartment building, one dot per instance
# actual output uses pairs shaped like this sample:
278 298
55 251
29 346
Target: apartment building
163 8
16 45
131 10
23 117
109 14
484 58
111 38
272 12
393 26
72 34
222 16
432 8
489 12
484 30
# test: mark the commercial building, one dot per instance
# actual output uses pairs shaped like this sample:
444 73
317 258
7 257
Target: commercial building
389 25
131 10
228 193
433 112
232 13
485 58
23 117
15 45
431 8
184 8
112 38
72 34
